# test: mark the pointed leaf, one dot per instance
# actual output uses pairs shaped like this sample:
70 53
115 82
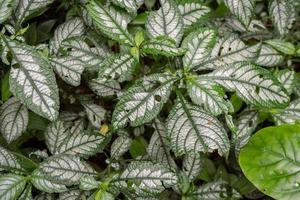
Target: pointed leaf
95 114
89 183
11 186
282 46
211 191
120 146
268 57
6 7
290 114
8 161
103 87
192 165
13 119
288 79
192 12
129 5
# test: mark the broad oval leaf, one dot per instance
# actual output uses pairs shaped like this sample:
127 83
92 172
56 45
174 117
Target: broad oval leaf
8 161
191 129
253 84
167 21
270 161
111 22
13 119
192 12
11 186
6 7
142 102
33 83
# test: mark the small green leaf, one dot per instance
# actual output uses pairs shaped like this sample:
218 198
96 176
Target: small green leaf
5 92
138 147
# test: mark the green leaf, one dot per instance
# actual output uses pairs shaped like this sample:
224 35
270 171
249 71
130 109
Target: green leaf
111 22
11 186
26 8
6 7
8 161
142 102
40 181
27 193
95 114
290 114
271 163
242 9
88 183
13 119
191 129
192 12
282 46
283 15
120 146
65 169
167 21
69 69
138 147
253 84
129 5
5 92
268 56
209 95
33 83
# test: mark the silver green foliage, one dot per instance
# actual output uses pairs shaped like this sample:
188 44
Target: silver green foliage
6 7
120 146
192 12
11 186
95 113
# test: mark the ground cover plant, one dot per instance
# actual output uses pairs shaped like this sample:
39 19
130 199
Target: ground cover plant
149 99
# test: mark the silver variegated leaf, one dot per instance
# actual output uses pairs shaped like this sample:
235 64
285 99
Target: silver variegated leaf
130 5
95 113
288 79
88 183
27 7
73 195
242 9
192 12
147 178
55 135
167 21
103 87
158 148
142 102
27 193
120 146
251 83
69 69
65 169
191 129
13 119
8 161
192 165
246 125
69 29
228 50
209 95
11 186
6 7
268 56
198 45
290 114
45 196
111 22
283 15
41 182
33 83
287 48
162 46
81 144
119 68
211 191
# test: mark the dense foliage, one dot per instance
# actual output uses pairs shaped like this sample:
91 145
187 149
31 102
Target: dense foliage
149 99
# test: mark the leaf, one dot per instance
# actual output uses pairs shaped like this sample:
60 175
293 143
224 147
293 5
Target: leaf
81 144
268 57
95 114
40 182
242 9
11 186
120 146
26 8
69 29
246 125
198 44
190 129
103 87
167 21
192 12
119 68
69 69
55 135
13 119
146 177
8 161
72 194
228 50
138 147
5 93
33 83
88 183
283 15
26 194
288 79
129 5
192 165
112 22
208 95
142 102
158 148
290 114
6 7
65 169
211 191
253 84
273 167
282 46
45 196
162 46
